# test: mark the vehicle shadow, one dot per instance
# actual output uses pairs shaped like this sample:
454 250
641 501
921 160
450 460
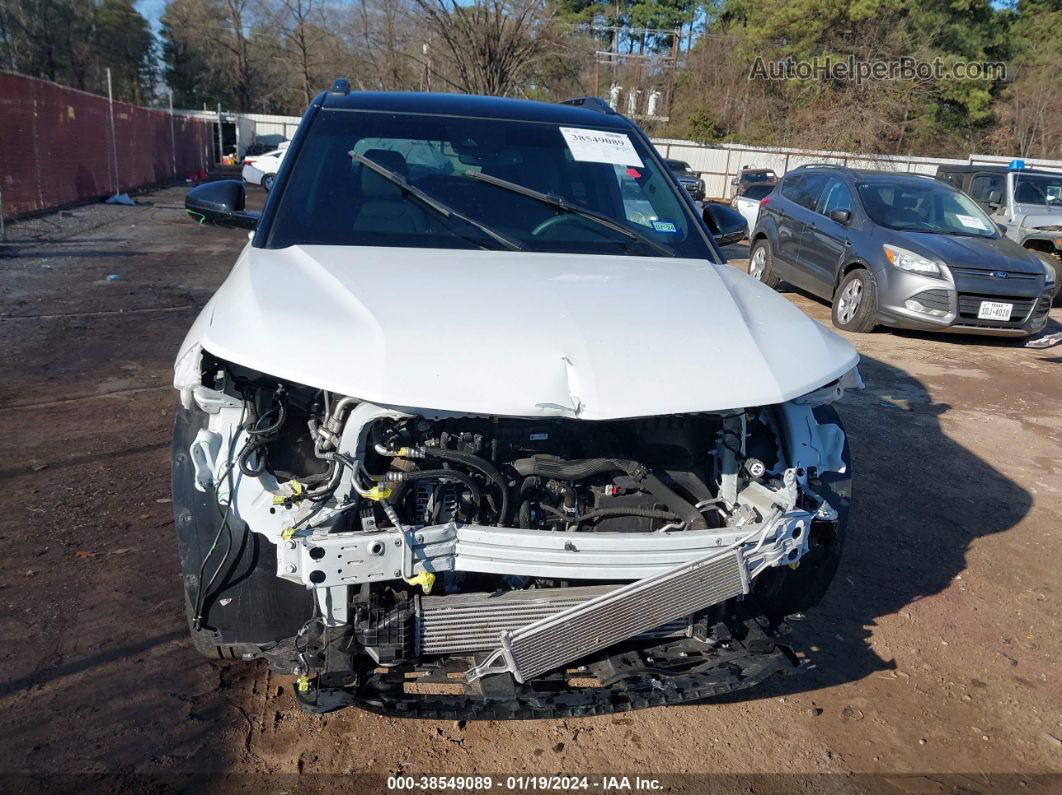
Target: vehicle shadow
920 499
736 250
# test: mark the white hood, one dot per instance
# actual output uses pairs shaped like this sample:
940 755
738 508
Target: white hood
517 334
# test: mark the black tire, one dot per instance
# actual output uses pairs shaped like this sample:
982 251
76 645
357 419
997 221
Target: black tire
782 591
247 607
765 273
1054 259
267 182
1056 296
855 302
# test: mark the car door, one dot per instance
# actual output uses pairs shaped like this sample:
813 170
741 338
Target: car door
825 241
803 195
787 222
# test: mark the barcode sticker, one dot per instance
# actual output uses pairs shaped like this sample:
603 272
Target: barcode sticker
598 146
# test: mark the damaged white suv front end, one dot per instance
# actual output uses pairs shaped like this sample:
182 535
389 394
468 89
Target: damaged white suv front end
509 480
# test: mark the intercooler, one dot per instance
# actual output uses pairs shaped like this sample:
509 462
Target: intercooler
614 616
475 622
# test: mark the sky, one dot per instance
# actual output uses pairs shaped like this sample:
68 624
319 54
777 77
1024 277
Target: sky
152 10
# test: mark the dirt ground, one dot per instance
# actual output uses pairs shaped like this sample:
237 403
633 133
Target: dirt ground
937 648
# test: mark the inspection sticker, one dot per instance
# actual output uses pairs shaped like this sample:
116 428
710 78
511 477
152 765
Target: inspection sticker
971 222
664 226
597 146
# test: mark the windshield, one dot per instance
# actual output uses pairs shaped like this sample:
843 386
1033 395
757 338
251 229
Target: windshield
757 191
426 192
679 167
1038 189
928 206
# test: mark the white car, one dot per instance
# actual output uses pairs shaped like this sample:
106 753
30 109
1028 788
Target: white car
495 432
262 169
748 203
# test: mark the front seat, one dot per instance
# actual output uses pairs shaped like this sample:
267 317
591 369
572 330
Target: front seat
384 209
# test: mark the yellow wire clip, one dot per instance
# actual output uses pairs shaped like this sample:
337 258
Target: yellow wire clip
377 493
425 580
296 493
303 683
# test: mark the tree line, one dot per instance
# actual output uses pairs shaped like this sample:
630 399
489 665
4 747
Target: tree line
272 56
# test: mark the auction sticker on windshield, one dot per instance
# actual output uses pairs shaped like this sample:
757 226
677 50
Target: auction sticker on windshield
970 222
597 146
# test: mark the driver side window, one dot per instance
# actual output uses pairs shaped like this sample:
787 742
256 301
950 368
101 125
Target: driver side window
984 185
836 196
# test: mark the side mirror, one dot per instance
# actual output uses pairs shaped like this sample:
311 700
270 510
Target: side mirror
995 198
1002 229
710 220
735 181
841 216
221 203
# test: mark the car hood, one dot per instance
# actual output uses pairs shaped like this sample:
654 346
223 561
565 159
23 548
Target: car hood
517 334
975 253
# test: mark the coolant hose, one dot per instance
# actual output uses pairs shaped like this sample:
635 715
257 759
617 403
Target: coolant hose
604 513
579 469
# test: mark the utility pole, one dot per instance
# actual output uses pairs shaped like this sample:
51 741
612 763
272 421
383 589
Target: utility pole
425 83
114 140
671 69
221 154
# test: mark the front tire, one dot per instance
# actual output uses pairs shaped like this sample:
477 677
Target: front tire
761 264
855 303
267 182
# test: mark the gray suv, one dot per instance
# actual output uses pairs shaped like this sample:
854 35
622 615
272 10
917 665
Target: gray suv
901 250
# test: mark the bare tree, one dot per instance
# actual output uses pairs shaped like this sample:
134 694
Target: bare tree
386 35
490 45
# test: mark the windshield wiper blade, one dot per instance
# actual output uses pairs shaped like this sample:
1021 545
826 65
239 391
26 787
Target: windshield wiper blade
564 205
443 209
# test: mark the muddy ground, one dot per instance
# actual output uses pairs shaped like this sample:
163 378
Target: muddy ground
937 648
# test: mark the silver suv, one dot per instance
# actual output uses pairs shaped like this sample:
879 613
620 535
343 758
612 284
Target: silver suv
898 250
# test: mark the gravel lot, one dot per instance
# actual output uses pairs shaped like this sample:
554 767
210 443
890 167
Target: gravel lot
937 648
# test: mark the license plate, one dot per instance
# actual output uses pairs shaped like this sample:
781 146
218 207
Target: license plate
994 310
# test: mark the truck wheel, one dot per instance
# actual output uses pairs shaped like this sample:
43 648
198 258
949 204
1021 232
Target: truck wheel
247 606
855 304
761 262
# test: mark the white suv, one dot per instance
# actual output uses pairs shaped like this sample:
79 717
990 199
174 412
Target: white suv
481 409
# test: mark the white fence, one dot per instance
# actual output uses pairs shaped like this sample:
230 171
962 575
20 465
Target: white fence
719 164
716 163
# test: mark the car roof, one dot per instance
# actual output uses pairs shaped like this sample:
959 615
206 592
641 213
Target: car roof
863 173
473 106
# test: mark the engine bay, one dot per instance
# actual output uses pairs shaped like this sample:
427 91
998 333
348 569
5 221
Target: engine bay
431 538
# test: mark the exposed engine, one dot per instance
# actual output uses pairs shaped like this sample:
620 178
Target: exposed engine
504 543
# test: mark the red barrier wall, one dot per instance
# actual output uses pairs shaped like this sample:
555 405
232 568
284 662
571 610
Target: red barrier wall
55 145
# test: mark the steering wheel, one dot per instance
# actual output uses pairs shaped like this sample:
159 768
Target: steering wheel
557 220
